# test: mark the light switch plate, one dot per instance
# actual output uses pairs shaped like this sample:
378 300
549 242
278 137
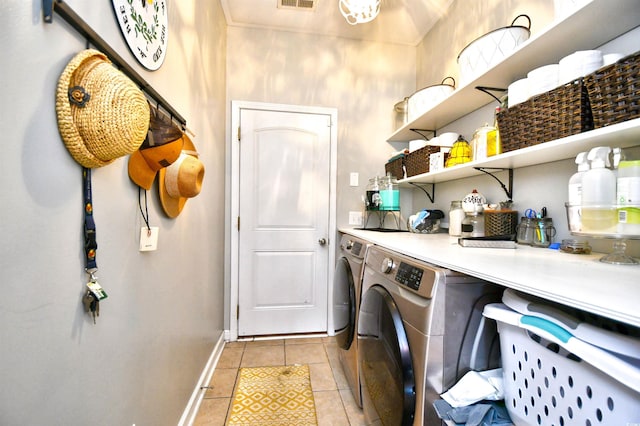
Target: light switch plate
355 218
149 238
353 179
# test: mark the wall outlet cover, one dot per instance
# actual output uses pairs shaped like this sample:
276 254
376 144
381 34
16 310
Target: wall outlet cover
355 218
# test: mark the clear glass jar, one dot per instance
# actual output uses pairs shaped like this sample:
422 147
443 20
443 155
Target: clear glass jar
389 194
526 229
544 232
372 201
473 225
456 216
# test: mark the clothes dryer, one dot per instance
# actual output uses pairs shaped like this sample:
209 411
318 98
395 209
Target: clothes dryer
347 284
418 333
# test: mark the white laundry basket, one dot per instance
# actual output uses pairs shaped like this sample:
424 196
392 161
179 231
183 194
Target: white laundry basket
553 378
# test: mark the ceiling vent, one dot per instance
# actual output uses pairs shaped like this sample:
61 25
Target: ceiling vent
297 4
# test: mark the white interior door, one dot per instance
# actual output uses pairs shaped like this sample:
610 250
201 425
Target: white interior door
283 222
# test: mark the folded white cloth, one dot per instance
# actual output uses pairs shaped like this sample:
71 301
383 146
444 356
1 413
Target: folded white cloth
476 386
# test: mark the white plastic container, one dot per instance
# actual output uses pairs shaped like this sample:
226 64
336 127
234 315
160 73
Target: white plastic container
599 194
628 194
575 191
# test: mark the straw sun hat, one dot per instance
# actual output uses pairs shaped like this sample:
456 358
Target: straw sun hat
181 180
102 114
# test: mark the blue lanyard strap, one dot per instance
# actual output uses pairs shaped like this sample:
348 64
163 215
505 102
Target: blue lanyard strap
90 244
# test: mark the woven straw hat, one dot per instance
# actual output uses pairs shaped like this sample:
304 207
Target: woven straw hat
181 180
161 148
102 114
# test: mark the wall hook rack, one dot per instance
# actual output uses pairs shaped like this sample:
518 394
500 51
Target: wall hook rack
72 18
508 191
432 196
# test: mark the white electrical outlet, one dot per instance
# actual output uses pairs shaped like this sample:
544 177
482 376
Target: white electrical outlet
355 218
353 179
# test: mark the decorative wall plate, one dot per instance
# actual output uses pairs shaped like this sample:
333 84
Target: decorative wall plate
144 25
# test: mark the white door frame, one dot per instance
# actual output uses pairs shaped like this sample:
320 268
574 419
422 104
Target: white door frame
234 211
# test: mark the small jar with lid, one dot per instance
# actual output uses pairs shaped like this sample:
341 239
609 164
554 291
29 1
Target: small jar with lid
473 225
373 194
575 247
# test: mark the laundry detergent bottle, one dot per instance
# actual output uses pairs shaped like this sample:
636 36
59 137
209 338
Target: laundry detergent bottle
628 195
599 214
575 192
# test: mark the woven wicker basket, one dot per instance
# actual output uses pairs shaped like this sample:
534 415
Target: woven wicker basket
417 162
614 91
395 167
500 222
561 112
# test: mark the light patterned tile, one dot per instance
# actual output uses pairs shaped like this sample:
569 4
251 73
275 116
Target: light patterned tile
213 412
230 358
309 353
263 356
222 383
302 340
329 409
354 413
322 377
266 342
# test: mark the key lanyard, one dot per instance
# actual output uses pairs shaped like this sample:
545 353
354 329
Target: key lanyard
90 244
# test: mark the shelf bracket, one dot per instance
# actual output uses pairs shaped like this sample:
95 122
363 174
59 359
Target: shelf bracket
418 131
508 191
488 91
432 196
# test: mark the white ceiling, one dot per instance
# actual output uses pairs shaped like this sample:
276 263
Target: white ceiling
400 21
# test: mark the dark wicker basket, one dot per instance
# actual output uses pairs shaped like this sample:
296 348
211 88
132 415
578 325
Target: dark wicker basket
417 162
395 167
500 222
614 91
561 112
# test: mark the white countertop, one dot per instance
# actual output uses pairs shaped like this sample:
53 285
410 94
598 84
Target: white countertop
576 280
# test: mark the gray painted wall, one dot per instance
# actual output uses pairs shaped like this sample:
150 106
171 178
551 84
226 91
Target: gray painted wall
140 362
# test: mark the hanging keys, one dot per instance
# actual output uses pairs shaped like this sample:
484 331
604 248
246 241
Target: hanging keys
93 296
87 300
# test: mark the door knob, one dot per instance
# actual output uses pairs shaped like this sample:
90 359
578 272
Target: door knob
322 241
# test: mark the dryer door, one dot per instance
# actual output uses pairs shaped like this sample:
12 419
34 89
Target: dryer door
386 369
344 304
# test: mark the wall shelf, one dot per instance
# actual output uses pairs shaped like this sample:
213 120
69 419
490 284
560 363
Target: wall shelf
624 135
575 32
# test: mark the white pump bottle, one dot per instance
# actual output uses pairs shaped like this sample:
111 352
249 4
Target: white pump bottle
575 182
575 192
599 193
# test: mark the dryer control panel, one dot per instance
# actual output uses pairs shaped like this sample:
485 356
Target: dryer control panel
409 275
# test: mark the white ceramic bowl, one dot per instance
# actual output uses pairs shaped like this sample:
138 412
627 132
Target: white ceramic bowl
486 51
518 92
448 139
425 99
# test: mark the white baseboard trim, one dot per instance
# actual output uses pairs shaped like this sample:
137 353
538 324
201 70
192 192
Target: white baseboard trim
191 410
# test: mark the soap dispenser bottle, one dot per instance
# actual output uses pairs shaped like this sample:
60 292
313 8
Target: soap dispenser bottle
575 192
599 193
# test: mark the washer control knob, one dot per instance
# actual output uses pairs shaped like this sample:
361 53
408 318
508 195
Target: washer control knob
387 265
349 245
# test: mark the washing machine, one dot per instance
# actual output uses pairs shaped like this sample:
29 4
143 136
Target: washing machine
347 283
419 331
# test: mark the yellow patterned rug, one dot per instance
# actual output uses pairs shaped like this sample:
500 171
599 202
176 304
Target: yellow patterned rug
273 396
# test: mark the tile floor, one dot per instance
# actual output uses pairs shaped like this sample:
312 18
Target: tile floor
335 405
